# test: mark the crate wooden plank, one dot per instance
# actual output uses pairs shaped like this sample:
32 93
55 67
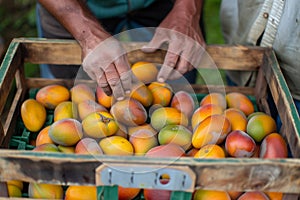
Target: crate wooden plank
284 102
68 52
10 69
242 174
9 66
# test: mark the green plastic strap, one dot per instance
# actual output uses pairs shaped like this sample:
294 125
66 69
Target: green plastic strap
179 195
107 192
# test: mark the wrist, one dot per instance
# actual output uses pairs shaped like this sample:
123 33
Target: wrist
90 35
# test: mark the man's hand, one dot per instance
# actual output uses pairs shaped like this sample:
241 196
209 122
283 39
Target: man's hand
108 65
180 30
104 59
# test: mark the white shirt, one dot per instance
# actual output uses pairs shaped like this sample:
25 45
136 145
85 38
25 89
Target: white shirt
269 23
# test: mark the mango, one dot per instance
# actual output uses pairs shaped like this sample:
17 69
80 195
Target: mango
237 118
203 112
167 115
184 102
122 132
33 115
116 145
212 130
166 150
131 130
127 193
210 151
162 93
47 147
129 112
214 98
51 95
201 194
273 146
142 94
64 110
275 195
234 195
99 125
66 132
239 144
14 191
153 108
87 107
76 192
142 141
43 137
146 72
88 146
102 98
45 191
191 152
175 134
239 101
255 113
253 195
259 126
64 149
82 92
16 183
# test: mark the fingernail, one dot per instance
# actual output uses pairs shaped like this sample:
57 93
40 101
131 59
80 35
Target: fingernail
127 91
120 98
161 80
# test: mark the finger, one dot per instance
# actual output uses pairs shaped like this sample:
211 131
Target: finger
182 65
91 74
168 66
114 81
118 91
123 68
156 42
102 82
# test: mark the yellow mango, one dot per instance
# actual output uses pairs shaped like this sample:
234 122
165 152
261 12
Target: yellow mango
33 115
64 110
51 95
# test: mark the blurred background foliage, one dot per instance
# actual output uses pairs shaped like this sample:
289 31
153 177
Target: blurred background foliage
18 19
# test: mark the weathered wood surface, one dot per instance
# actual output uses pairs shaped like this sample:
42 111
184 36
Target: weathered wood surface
284 103
223 174
68 52
7 75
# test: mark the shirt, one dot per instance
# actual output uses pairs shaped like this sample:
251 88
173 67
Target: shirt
113 8
267 23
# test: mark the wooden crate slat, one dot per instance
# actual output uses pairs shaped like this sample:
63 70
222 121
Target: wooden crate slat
68 52
285 104
8 70
242 174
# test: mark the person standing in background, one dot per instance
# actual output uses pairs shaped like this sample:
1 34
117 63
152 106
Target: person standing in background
266 23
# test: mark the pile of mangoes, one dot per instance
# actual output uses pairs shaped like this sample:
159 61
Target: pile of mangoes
151 121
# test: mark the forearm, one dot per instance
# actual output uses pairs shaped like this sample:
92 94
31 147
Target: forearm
190 9
78 20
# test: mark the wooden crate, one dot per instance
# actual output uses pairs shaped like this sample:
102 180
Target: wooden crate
223 174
